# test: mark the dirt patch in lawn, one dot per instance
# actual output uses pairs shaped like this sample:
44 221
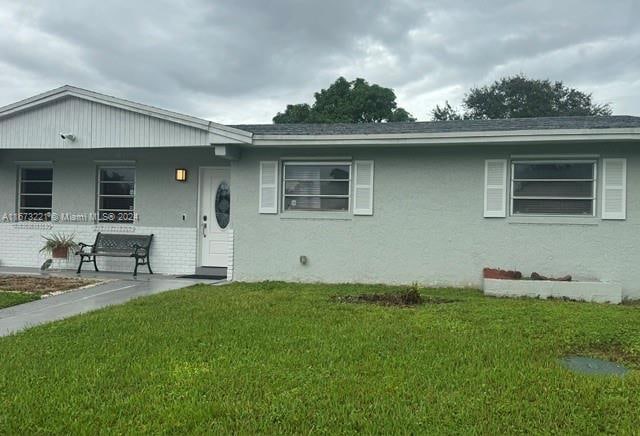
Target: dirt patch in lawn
42 285
408 298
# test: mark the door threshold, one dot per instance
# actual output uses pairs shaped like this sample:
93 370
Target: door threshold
213 271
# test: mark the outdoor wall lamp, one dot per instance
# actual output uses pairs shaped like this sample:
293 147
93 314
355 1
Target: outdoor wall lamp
181 175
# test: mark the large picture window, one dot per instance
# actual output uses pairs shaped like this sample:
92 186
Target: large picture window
116 194
316 186
35 190
553 188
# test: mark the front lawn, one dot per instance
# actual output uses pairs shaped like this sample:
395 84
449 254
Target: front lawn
274 357
13 298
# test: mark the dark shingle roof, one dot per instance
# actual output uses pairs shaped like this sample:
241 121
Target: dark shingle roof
546 123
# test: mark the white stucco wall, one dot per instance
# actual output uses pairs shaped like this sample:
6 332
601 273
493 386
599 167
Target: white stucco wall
428 225
160 202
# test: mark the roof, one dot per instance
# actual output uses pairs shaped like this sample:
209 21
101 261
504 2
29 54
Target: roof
433 133
501 125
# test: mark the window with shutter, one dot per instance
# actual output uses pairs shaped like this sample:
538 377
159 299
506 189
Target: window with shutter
495 188
316 186
363 189
268 201
614 189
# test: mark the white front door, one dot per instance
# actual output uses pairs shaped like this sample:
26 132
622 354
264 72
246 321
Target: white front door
216 236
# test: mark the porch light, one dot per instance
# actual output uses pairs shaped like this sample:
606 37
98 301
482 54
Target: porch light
181 175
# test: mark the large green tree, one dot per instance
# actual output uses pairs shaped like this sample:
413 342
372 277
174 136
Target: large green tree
347 102
521 97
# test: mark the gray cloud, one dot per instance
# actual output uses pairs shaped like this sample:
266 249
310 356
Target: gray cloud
242 61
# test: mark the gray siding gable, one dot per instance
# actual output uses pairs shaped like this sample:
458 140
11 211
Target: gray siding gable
102 121
95 125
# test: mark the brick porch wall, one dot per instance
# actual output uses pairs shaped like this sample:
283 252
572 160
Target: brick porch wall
173 250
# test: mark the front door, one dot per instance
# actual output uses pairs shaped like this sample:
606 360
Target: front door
215 217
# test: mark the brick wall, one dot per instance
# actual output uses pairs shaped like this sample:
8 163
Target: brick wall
173 250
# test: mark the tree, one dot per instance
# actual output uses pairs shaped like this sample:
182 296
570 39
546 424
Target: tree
521 97
445 113
295 113
347 102
401 115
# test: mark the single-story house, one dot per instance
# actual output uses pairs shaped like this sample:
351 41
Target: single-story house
427 202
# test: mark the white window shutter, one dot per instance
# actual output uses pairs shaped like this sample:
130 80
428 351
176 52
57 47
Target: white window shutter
268 187
495 188
363 188
614 189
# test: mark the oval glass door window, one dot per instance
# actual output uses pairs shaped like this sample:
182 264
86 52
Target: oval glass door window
223 205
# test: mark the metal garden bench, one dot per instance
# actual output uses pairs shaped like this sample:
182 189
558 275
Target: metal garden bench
117 245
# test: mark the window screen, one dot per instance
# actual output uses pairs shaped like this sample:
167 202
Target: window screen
116 194
316 186
553 188
35 192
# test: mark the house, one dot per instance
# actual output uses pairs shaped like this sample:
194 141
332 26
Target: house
430 202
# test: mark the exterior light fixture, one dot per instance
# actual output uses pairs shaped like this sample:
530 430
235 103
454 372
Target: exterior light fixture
181 175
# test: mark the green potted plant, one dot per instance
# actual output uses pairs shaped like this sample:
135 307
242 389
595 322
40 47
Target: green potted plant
58 244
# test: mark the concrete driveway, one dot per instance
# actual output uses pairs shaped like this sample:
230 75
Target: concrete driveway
117 289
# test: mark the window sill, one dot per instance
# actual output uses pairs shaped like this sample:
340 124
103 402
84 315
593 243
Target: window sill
308 215
554 220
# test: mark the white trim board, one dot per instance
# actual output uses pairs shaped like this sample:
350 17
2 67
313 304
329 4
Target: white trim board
114 162
317 158
450 138
33 162
555 156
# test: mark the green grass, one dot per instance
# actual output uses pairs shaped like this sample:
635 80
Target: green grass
12 298
286 358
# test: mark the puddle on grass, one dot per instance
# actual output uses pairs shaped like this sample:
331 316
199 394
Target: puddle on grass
593 366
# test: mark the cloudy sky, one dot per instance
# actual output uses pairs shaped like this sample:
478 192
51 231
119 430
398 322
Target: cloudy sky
240 61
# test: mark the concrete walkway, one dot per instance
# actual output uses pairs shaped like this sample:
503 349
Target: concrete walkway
117 289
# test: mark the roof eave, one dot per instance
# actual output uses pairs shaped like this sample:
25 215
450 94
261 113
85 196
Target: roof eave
230 133
451 138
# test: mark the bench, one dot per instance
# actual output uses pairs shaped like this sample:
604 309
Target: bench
116 245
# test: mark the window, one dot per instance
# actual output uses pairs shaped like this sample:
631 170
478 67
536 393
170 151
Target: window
35 188
553 188
223 205
116 192
316 186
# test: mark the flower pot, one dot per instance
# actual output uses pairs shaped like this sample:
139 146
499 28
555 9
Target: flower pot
60 252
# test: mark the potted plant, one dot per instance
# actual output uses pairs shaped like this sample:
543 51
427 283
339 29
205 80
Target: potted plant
58 244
